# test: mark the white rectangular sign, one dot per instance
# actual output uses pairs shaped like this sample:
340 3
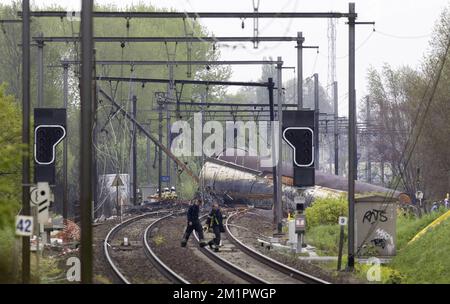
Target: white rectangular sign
24 225
342 220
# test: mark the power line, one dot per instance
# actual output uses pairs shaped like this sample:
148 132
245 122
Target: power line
402 37
421 124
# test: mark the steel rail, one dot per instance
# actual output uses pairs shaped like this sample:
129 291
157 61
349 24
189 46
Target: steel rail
112 233
162 267
296 274
238 271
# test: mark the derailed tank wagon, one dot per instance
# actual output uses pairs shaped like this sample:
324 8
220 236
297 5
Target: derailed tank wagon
242 179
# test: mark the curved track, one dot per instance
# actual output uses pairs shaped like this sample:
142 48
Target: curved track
291 272
240 272
107 242
278 272
162 267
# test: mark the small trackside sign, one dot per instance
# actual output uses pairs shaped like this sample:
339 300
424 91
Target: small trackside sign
343 221
24 225
41 198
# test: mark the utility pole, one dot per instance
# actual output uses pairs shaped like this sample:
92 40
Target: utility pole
134 151
331 152
368 145
273 148
66 101
300 70
170 90
300 47
160 151
40 61
351 137
148 160
168 146
202 180
26 210
87 48
336 128
316 121
118 203
94 139
279 185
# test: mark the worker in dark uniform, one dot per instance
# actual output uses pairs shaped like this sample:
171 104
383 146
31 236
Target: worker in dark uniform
214 223
193 223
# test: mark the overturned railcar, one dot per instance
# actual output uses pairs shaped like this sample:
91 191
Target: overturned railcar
241 179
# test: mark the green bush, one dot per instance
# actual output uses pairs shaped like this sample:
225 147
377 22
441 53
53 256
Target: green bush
49 272
388 274
10 181
326 239
391 276
7 256
10 158
325 211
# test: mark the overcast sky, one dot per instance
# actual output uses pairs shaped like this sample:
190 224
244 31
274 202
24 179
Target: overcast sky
403 29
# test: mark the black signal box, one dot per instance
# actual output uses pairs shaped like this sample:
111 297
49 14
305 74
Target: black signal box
298 132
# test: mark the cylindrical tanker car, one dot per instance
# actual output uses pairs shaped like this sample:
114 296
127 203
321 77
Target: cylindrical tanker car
241 179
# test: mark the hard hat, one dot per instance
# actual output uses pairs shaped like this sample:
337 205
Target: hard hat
172 188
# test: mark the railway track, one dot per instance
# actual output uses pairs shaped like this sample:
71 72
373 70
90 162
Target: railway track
112 262
224 263
159 264
298 275
181 265
241 261
235 259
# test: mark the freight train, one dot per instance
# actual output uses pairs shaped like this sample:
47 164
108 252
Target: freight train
241 179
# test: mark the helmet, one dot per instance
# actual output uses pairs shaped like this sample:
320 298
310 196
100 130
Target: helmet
172 188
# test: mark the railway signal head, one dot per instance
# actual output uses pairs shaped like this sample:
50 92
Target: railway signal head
46 137
298 131
49 131
301 139
300 207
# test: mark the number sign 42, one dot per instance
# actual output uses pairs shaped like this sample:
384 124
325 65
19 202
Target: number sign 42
24 225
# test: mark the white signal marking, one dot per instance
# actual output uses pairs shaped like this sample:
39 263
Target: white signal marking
53 148
289 143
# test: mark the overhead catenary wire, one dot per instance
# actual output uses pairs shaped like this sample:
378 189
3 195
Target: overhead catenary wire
403 36
357 48
409 149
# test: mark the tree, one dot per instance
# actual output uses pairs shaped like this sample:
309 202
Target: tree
412 111
10 158
113 136
10 178
393 94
